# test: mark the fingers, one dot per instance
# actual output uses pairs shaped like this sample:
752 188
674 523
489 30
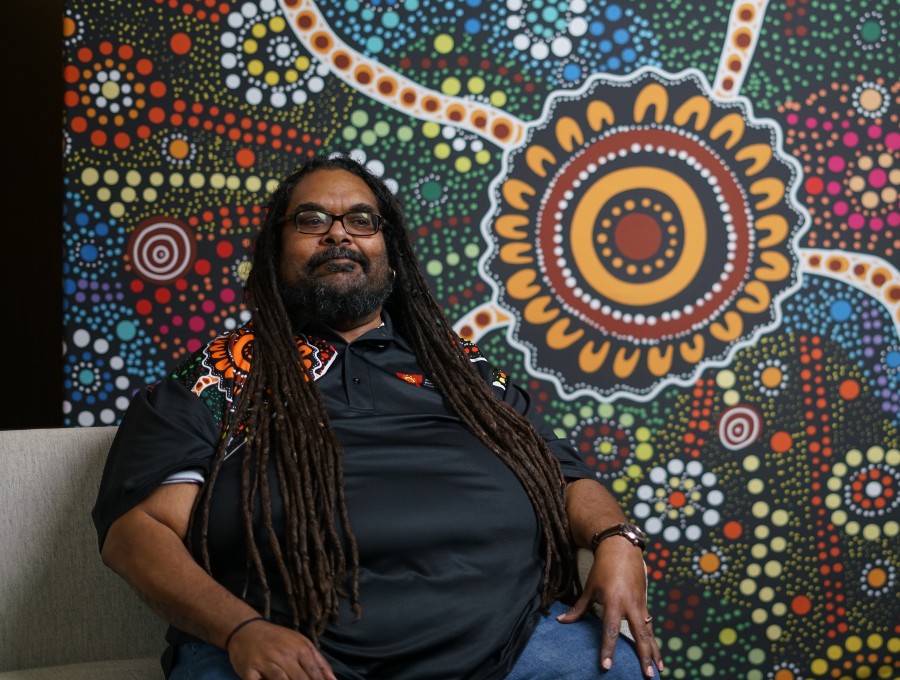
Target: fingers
611 628
306 664
311 662
647 648
577 610
320 665
287 669
272 652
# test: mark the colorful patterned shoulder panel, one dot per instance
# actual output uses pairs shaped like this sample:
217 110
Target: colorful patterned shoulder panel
224 364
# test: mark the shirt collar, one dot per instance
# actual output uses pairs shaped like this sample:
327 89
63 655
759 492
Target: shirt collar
314 327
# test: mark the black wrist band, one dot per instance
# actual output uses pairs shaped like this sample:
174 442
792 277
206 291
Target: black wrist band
239 626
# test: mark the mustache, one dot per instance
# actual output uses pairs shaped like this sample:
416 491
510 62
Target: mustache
337 253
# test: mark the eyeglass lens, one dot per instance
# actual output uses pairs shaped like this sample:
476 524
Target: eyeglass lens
319 222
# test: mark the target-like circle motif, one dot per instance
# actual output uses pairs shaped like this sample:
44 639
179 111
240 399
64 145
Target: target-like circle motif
739 426
161 249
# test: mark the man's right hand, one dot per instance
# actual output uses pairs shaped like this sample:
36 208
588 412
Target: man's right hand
266 651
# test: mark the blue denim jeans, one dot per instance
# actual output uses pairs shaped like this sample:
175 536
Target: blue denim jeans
200 661
555 651
571 651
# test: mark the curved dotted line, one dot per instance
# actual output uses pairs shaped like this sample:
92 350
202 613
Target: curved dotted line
870 274
235 127
741 38
389 87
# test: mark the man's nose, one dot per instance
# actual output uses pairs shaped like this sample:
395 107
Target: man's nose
337 233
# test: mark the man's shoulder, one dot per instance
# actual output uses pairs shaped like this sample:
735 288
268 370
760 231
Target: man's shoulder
217 371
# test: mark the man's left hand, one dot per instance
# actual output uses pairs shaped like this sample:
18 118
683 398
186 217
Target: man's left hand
617 582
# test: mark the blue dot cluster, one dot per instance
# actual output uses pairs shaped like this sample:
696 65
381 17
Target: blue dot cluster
385 27
617 40
93 243
89 379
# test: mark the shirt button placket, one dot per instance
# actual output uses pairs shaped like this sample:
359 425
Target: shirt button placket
359 391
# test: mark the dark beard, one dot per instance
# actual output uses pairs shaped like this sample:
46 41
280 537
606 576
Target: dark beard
326 303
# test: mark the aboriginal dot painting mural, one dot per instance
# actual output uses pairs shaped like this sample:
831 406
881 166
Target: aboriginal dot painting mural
676 223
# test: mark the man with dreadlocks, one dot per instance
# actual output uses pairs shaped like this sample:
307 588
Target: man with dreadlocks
343 488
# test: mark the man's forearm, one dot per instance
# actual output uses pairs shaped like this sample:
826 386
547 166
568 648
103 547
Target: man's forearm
590 508
151 558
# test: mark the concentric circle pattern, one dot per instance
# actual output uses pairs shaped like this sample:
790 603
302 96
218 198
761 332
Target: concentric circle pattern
642 231
161 250
739 426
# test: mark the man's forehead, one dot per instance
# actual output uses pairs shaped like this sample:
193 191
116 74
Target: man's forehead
332 192
332 181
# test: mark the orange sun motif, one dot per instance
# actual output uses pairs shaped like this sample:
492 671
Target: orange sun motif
228 359
229 356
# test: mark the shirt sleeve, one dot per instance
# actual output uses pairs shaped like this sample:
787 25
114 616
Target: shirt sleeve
573 467
166 429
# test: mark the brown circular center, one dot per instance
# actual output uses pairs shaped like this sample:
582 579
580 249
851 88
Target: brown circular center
638 236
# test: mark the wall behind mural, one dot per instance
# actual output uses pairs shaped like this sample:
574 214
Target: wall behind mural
675 223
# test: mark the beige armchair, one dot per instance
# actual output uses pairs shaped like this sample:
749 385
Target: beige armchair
63 615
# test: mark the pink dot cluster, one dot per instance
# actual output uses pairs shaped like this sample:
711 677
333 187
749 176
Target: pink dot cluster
837 164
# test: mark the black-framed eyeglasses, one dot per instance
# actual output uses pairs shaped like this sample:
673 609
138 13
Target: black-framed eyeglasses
356 223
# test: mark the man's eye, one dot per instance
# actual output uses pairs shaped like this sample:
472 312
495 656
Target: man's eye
360 219
310 219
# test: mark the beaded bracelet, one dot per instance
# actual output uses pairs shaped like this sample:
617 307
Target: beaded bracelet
239 626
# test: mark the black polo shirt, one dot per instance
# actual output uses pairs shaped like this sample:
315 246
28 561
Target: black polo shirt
449 542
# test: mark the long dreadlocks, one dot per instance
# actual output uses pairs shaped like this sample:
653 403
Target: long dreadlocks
284 420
